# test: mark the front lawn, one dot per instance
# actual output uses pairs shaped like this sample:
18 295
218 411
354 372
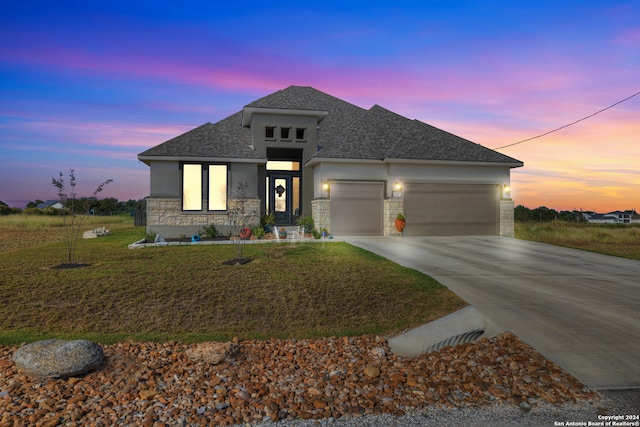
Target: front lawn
185 293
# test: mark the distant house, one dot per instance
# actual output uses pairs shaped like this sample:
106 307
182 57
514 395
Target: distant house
304 152
55 204
626 217
615 217
597 218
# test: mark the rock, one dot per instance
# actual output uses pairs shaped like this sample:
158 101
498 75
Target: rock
99 232
211 352
372 371
59 358
147 394
96 232
159 239
379 352
314 391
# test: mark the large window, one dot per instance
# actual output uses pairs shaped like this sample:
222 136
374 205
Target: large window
217 187
192 187
193 191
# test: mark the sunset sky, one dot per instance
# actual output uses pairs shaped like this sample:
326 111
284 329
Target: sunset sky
90 84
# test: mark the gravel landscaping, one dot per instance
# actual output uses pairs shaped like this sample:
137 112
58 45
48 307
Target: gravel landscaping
339 381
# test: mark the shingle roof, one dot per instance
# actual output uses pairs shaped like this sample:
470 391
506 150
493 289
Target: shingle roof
224 139
347 132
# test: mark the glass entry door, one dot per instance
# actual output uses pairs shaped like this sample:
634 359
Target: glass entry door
280 198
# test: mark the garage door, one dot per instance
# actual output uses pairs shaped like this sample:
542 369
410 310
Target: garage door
356 208
451 209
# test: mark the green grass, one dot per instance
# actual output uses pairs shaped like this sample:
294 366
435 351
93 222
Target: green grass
615 239
185 293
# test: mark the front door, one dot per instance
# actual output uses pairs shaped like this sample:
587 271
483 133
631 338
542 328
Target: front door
280 198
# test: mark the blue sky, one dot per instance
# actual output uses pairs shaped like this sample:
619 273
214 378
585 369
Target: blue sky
90 84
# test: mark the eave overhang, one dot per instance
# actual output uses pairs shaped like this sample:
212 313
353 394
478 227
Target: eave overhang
148 159
317 160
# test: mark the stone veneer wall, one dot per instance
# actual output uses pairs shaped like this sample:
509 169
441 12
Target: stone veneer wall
506 219
392 207
165 216
321 213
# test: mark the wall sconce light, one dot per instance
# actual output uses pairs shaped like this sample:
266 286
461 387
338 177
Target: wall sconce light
325 185
397 190
506 192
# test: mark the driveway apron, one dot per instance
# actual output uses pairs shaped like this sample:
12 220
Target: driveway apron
579 309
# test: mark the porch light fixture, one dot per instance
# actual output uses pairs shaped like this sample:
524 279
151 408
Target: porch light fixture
506 192
325 185
398 186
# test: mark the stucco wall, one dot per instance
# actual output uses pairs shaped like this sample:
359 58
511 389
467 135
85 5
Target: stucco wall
165 179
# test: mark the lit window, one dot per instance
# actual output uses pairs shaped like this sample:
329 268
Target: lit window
284 133
269 132
279 165
299 133
217 187
191 187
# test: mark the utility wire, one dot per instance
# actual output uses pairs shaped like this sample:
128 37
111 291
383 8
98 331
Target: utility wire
570 124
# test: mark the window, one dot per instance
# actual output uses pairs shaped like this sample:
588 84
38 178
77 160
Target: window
191 187
269 132
193 191
217 187
284 133
299 133
279 165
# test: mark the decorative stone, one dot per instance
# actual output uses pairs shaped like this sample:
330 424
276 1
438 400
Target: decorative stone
379 352
59 358
372 371
213 353
159 239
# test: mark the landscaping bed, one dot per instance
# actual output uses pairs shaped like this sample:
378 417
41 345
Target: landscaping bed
153 384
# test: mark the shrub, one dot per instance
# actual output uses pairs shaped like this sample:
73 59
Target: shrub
6 210
211 231
258 231
307 223
33 211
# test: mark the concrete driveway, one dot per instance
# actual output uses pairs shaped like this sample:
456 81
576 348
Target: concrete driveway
579 309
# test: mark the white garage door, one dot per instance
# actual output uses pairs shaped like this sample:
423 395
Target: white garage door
356 208
451 209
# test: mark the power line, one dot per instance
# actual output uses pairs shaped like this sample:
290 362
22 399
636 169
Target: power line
570 124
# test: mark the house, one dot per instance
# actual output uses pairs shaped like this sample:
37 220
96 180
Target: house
303 152
615 217
597 218
55 204
626 217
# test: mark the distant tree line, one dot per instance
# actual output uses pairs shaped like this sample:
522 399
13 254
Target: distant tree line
545 214
108 206
6 210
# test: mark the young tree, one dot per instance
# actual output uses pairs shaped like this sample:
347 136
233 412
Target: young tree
73 212
239 215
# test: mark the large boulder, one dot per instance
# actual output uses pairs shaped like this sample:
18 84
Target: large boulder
59 358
